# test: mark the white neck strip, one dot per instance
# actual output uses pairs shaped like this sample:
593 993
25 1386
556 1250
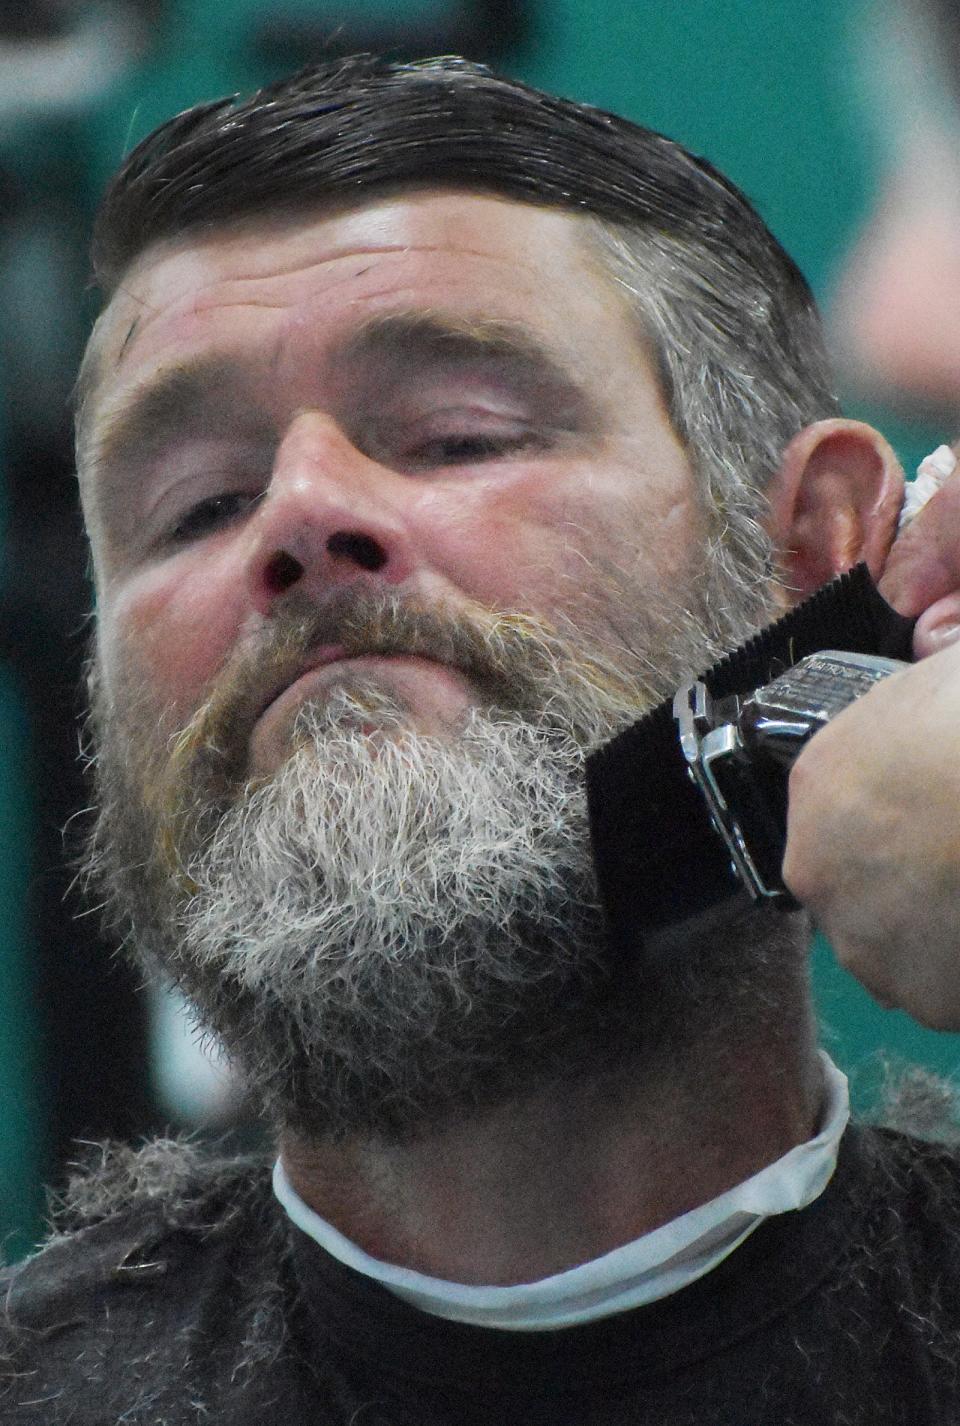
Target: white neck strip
651 1267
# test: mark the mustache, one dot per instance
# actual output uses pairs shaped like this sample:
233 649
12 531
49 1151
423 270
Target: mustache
516 661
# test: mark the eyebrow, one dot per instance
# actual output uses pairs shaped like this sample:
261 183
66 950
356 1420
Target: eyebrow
437 339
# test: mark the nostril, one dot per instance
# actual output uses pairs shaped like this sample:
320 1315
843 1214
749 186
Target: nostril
361 549
281 572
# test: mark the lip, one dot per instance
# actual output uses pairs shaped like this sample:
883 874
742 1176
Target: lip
449 690
319 658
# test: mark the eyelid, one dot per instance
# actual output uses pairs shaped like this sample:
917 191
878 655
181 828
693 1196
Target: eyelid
175 535
162 533
502 436
159 470
194 470
465 414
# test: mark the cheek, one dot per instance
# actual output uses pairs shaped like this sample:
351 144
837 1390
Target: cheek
560 538
166 634
506 552
600 528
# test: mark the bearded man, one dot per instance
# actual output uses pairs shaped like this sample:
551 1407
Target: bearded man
433 431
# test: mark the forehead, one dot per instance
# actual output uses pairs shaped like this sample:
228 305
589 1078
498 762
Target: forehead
469 253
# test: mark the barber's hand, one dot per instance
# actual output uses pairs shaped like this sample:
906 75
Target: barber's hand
873 833
921 575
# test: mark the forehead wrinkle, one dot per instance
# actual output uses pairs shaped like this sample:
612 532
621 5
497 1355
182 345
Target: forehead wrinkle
273 271
279 271
341 252
127 339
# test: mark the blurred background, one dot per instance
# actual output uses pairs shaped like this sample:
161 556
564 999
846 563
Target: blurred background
784 97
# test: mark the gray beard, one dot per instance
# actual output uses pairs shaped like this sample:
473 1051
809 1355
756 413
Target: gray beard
395 929
392 912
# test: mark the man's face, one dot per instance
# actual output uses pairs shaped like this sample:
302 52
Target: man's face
389 525
269 419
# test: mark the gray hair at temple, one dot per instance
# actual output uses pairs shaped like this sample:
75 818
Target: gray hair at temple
728 315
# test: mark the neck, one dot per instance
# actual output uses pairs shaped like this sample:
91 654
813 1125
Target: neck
536 1187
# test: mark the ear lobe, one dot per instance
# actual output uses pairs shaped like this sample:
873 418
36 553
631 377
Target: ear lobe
834 502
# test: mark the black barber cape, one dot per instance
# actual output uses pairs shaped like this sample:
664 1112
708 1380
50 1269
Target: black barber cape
208 1306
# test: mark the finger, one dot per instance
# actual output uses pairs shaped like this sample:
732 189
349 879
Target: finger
924 563
937 627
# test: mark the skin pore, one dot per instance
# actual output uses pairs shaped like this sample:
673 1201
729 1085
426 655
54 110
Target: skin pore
402 398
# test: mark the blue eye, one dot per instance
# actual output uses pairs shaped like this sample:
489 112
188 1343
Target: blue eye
210 515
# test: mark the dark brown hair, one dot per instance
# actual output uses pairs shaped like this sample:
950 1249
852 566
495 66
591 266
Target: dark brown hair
340 129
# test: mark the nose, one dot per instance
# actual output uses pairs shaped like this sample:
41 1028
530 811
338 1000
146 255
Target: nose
326 519
896 317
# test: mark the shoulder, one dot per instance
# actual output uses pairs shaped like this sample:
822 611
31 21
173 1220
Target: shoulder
146 1253
125 1203
907 1190
900 1165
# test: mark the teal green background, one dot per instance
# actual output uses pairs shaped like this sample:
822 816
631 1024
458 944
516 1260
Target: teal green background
762 88
21 1116
21 1119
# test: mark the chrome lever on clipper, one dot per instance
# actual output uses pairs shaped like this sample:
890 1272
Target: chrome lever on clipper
739 751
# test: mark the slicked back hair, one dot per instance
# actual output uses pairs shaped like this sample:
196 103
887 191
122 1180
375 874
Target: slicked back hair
728 314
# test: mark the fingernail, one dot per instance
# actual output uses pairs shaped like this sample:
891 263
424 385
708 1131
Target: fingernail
944 634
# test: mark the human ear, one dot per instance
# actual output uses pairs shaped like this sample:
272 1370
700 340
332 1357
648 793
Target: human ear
834 502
